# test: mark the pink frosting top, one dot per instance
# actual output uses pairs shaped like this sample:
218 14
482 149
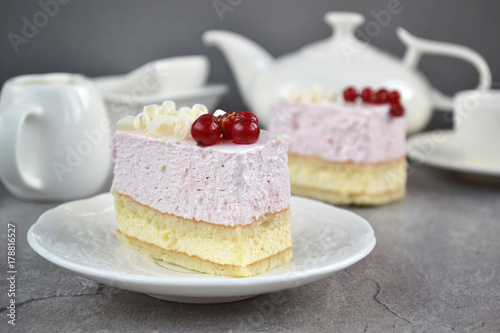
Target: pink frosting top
348 132
226 184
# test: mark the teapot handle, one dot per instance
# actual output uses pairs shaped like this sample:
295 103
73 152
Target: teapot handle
417 46
11 148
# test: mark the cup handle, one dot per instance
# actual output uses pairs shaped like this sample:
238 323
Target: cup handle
10 150
417 46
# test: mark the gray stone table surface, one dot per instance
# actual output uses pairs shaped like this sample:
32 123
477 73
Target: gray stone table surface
435 268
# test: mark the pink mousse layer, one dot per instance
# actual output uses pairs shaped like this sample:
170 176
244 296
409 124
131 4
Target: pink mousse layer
225 184
360 133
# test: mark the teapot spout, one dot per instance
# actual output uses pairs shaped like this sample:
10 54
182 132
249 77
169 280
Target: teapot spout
246 59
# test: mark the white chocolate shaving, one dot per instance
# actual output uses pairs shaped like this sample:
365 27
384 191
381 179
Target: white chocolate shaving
126 123
161 124
219 113
156 127
140 122
187 112
199 109
164 119
149 111
167 108
167 120
183 127
315 94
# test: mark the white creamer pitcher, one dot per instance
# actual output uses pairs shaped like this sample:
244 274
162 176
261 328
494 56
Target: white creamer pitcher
54 137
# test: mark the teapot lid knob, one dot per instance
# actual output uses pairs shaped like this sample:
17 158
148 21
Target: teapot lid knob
344 23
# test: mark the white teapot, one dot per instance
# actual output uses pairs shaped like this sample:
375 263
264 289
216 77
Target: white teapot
338 62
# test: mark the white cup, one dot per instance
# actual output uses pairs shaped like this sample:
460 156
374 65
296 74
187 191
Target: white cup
54 137
477 124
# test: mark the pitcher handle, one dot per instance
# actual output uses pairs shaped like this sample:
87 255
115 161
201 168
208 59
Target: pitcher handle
417 46
10 149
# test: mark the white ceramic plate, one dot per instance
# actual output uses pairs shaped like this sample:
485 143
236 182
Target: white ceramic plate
81 236
441 149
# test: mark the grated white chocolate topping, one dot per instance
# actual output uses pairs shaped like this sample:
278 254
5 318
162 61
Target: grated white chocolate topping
219 113
315 94
164 119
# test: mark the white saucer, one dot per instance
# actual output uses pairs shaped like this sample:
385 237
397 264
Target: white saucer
81 237
441 149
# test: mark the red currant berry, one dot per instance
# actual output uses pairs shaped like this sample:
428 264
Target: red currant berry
227 115
246 114
350 94
228 120
397 110
382 96
207 115
206 131
394 96
368 95
245 131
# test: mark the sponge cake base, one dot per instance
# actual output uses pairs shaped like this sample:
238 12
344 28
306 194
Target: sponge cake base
347 183
237 251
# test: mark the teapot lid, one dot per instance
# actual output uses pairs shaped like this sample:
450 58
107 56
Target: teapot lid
343 39
344 24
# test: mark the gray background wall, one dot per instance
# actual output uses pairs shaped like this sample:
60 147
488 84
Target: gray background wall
113 37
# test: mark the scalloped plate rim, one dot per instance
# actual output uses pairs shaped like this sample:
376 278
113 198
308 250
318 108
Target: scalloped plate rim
232 287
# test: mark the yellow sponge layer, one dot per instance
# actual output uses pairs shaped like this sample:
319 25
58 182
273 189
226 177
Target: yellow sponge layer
206 247
206 266
347 183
